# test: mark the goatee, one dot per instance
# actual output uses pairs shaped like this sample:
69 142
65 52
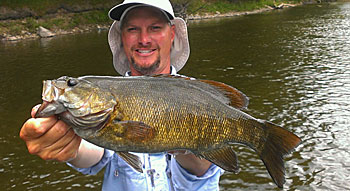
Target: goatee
146 70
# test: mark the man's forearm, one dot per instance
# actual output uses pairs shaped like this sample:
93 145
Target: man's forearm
193 164
88 155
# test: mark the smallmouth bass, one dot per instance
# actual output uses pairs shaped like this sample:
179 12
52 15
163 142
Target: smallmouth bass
165 113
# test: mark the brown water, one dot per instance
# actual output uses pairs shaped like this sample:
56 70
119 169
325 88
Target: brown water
294 65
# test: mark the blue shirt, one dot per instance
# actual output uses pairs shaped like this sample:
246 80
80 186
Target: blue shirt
168 175
161 172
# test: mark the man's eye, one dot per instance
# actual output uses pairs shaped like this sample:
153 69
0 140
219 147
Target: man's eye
131 29
156 27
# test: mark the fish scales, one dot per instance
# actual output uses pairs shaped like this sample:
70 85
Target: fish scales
177 122
183 116
166 113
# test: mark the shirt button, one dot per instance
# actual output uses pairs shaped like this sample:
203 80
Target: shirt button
116 173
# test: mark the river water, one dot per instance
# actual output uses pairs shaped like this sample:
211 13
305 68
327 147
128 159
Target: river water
294 65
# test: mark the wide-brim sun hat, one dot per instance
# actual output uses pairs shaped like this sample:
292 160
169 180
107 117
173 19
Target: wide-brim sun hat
180 49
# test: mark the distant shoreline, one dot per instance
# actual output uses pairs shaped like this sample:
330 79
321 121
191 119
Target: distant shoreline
241 13
91 27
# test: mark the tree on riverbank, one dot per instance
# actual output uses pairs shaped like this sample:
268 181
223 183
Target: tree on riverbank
24 17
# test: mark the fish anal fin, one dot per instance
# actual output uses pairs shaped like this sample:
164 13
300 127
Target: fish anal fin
137 131
133 160
237 99
225 158
279 142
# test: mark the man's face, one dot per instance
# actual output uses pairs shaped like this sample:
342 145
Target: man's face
147 38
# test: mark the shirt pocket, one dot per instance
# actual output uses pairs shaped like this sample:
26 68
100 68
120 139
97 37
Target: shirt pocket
127 174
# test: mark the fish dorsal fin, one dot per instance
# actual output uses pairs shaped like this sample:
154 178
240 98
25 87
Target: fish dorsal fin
223 92
172 76
133 160
137 131
225 158
235 97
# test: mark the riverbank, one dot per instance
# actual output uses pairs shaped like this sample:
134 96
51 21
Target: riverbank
62 21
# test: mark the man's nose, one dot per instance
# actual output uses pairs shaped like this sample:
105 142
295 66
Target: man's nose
145 38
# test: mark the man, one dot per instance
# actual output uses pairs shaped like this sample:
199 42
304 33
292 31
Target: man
145 38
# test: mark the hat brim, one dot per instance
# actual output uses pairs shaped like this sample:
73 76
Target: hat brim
116 12
179 52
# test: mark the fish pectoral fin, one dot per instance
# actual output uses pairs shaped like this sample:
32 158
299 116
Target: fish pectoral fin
225 158
137 131
133 160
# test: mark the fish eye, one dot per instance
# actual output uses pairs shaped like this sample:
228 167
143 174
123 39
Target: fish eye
72 82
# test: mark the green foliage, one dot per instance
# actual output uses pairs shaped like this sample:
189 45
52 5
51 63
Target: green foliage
49 3
224 6
68 21
40 7
31 24
16 29
58 22
92 17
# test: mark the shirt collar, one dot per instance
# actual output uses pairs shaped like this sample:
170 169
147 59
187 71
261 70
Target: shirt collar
172 71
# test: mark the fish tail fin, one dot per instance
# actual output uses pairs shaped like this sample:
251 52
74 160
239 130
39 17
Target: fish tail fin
279 142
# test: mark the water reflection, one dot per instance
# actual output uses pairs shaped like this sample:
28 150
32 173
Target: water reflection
296 72
25 65
324 82
293 64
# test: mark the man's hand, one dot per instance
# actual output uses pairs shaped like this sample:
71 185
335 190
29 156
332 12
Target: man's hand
50 138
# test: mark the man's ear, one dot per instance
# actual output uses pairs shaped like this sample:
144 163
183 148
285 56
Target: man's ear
172 33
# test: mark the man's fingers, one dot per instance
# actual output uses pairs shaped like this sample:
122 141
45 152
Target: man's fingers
70 151
34 110
50 138
34 128
58 143
56 134
63 149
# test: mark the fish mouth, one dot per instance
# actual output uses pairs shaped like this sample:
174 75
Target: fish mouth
50 94
51 91
74 109
47 109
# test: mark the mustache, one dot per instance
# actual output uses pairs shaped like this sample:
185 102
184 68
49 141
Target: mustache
149 45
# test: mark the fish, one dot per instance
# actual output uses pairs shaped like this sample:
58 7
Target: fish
160 113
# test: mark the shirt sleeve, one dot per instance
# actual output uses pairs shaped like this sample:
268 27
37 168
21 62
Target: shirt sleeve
183 180
107 156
